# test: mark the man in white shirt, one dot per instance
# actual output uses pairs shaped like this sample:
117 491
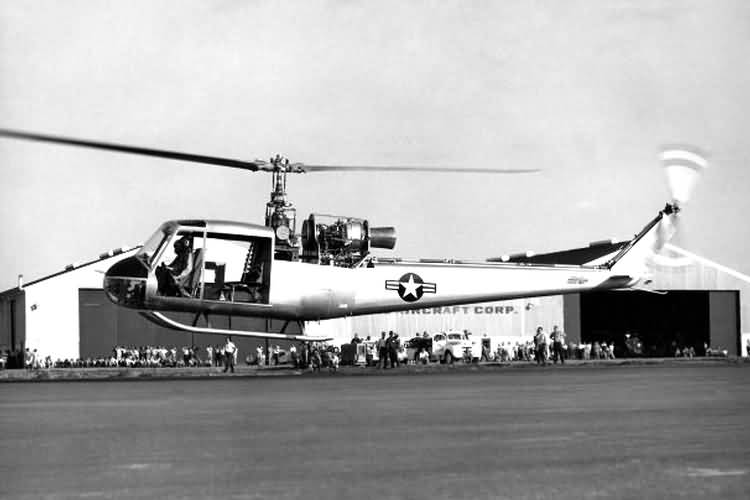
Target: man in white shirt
229 353
558 343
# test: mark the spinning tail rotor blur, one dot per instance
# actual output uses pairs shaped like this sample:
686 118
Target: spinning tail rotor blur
683 166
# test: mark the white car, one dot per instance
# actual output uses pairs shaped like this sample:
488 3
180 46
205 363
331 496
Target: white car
450 346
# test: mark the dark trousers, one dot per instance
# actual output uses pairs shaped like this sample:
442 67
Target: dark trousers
228 363
541 354
383 355
558 352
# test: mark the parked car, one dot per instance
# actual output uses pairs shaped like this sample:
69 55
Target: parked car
453 345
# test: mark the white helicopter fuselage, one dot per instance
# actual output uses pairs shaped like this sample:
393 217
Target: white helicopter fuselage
310 292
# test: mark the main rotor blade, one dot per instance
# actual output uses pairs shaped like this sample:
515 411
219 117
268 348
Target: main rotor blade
252 166
362 168
108 146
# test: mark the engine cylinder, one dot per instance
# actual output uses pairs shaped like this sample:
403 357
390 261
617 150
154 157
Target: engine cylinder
383 237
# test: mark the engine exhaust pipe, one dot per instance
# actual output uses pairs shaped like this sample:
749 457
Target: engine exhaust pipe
382 237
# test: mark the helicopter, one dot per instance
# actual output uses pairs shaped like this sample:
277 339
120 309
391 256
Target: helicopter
326 269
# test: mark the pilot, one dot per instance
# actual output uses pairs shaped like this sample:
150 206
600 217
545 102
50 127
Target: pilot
174 278
183 262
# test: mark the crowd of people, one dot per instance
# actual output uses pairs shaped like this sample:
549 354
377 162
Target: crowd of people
390 351
130 357
163 356
387 351
316 357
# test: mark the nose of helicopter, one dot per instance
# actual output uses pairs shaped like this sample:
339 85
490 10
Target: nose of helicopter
125 283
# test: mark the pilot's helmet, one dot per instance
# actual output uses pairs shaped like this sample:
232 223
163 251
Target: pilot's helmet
182 244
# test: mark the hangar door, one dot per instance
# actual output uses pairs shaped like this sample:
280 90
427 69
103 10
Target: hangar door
678 319
97 324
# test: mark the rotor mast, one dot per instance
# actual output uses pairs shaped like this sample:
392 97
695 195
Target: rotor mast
281 216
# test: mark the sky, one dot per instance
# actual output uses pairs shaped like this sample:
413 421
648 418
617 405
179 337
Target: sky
587 91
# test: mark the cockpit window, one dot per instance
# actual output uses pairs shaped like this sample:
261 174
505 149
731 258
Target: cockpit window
212 266
154 244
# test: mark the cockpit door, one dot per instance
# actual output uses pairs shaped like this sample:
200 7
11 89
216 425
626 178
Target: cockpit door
214 266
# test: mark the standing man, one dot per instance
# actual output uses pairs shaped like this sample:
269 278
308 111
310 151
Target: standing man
540 346
382 352
28 360
486 350
395 347
218 355
229 350
293 355
209 355
558 343
369 353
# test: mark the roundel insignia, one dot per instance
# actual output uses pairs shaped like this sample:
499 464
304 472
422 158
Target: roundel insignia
410 287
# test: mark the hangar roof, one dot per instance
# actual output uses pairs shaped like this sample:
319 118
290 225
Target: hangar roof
119 252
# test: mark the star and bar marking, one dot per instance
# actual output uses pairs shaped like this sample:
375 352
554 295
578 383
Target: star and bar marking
410 287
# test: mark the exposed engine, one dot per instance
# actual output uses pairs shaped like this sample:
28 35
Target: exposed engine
342 241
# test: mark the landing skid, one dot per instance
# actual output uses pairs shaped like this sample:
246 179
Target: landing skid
161 320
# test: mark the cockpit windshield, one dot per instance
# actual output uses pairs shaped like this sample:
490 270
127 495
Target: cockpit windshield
154 244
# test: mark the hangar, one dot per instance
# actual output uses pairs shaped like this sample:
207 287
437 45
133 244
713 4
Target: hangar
66 314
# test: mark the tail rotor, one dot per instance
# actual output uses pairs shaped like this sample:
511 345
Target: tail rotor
683 167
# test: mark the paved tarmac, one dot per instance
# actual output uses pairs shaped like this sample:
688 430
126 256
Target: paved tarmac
643 431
